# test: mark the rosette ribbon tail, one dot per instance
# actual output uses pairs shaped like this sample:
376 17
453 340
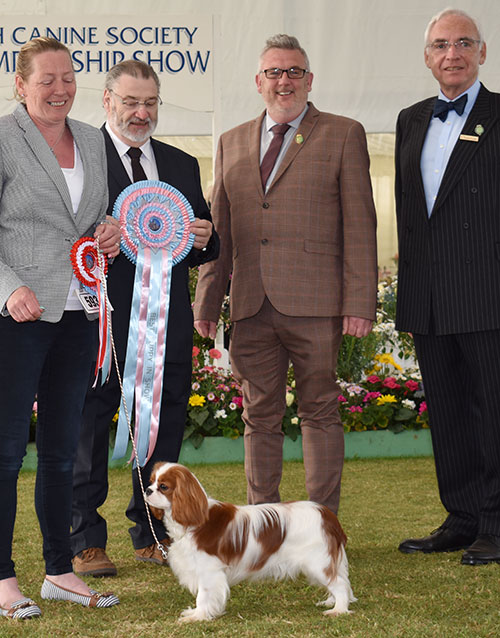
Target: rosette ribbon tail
151 356
141 281
103 362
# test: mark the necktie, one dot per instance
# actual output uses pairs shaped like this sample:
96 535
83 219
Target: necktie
137 169
266 167
441 107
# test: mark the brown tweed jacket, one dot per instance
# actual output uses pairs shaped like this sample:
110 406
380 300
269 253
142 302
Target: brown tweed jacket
309 244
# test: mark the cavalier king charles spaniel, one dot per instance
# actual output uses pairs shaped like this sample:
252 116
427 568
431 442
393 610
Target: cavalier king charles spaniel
216 545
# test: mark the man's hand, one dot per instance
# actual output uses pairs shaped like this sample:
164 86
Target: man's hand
202 231
23 305
356 326
206 328
109 236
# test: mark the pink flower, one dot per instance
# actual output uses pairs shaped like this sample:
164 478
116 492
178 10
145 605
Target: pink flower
214 353
196 351
355 408
238 401
341 398
412 385
422 408
390 382
371 395
373 379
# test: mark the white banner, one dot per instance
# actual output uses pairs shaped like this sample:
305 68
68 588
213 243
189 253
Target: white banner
179 48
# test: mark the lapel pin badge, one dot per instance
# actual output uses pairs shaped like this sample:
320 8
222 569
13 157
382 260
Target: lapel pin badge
479 130
299 139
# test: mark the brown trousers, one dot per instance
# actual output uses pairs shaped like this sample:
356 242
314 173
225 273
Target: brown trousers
261 348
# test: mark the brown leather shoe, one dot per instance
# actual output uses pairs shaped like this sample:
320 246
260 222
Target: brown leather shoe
93 562
151 553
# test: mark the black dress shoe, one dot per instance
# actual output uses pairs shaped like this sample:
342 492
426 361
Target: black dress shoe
485 549
442 539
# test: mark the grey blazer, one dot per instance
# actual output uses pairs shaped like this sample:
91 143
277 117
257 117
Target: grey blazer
37 224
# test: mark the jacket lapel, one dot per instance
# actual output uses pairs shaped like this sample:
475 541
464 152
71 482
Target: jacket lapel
254 137
42 152
305 129
465 150
418 134
87 161
116 170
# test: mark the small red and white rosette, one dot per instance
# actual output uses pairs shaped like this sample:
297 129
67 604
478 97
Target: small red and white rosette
88 266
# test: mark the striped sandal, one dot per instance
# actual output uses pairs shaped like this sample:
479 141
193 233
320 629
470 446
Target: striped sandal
51 591
22 610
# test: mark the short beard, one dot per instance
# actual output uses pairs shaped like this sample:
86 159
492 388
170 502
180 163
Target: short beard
140 136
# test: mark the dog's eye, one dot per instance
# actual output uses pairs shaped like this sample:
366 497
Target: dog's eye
164 487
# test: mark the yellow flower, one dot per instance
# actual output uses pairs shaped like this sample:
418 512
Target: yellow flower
386 398
196 400
385 357
290 398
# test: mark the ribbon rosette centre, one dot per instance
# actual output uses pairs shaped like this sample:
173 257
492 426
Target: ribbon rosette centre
155 218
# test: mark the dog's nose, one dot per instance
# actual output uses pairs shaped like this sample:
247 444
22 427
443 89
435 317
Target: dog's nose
149 491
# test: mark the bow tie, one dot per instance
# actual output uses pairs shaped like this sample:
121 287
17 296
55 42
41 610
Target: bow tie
441 107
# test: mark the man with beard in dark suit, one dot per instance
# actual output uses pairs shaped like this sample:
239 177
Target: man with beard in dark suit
448 203
131 100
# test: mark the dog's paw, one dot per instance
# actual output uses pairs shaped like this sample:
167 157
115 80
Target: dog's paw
193 615
337 611
329 602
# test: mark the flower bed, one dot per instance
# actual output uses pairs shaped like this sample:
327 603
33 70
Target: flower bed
379 402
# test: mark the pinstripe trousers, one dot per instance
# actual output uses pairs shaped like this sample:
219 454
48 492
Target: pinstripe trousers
461 376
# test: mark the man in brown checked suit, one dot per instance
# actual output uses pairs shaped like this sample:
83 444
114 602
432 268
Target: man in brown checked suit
302 251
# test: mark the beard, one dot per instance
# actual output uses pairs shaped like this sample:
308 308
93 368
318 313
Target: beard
122 126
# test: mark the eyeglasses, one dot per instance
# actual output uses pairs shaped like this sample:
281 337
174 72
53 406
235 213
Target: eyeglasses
294 73
132 103
462 45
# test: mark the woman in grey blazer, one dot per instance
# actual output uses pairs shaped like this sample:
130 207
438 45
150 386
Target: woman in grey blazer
52 191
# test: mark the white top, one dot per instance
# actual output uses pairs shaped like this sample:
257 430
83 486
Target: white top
74 179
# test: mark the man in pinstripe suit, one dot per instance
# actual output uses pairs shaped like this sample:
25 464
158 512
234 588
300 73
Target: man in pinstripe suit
448 205
301 245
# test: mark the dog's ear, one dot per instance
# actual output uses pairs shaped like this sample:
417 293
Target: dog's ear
189 501
156 467
157 513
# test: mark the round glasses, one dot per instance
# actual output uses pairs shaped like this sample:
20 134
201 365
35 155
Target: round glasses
133 103
462 45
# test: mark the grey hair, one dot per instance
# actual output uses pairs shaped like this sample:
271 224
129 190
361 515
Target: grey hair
135 68
452 12
283 41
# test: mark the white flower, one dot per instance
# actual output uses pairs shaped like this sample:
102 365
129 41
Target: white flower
220 414
232 406
294 420
408 403
195 386
290 398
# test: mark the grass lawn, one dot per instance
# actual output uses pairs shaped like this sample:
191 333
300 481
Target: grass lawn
399 596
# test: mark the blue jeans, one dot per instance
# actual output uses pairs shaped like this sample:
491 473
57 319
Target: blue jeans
52 361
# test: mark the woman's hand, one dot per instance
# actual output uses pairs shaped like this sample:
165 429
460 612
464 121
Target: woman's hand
23 305
109 236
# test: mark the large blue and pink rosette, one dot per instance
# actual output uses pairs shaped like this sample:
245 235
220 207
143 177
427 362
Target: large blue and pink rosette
154 219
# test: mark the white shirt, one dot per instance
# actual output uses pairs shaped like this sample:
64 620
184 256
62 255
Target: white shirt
440 142
147 160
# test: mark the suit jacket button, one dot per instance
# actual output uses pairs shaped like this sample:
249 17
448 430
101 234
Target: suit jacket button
466 225
473 190
265 205
264 242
